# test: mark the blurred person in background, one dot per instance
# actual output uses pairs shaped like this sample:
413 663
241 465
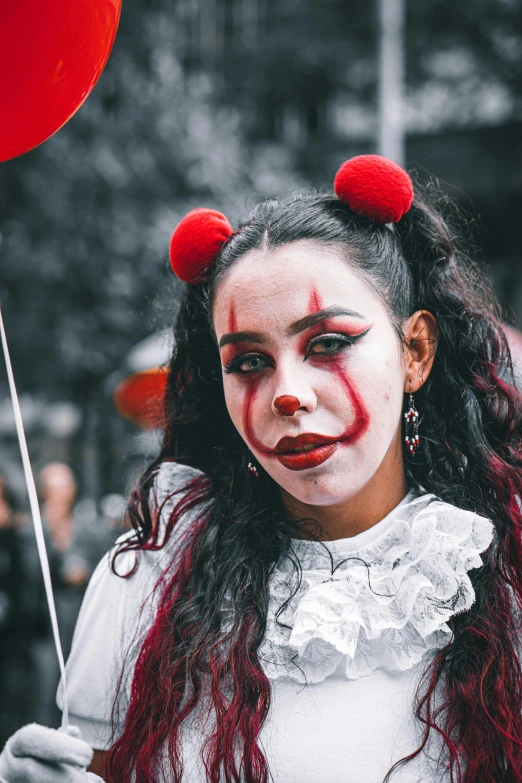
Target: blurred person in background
16 626
75 540
58 493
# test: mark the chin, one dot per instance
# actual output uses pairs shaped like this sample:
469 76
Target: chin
323 486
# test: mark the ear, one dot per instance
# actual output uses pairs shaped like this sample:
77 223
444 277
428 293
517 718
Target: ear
421 336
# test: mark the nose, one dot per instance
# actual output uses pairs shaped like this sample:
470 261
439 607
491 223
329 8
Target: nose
286 404
293 394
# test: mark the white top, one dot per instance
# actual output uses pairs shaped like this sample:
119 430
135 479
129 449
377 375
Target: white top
362 649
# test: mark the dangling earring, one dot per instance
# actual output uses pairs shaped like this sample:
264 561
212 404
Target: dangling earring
253 470
412 439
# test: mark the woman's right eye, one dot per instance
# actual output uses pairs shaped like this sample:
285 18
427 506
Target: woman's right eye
247 363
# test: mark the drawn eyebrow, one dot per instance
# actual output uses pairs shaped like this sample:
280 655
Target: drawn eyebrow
311 320
242 337
299 326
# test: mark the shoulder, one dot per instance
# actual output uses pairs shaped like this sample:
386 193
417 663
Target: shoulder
461 530
171 487
118 608
175 485
172 477
142 568
130 573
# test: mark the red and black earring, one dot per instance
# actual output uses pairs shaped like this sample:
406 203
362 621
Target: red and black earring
253 470
411 417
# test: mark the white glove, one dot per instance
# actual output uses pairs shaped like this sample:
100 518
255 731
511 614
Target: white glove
36 754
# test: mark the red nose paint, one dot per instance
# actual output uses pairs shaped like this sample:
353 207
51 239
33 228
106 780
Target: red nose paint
286 404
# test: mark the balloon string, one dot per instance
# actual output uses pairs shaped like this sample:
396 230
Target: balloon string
37 522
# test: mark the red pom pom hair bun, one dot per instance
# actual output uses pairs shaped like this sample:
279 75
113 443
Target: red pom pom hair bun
375 188
196 243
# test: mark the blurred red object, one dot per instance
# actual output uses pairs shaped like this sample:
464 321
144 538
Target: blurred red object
138 387
51 56
139 397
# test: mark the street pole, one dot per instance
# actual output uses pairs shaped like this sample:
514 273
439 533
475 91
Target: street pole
391 132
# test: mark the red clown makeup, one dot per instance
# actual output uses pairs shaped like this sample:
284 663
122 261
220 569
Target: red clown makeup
312 369
286 404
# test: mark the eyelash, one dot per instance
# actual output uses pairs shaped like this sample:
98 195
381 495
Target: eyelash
234 366
344 339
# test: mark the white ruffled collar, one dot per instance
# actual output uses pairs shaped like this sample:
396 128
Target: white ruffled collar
416 561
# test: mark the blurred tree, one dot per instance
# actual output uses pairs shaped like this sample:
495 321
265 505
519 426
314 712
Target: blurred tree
195 106
465 62
87 217
301 60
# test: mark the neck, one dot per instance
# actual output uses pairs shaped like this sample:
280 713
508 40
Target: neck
360 511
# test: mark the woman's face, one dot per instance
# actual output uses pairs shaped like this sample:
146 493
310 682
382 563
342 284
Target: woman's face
313 370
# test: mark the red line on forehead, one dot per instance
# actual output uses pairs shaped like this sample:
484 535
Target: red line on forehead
314 302
232 318
315 305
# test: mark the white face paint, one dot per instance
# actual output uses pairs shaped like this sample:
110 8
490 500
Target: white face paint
309 352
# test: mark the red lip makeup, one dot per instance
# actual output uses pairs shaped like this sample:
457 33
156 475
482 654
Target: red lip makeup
305 451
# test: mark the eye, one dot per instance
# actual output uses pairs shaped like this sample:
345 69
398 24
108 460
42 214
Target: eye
246 364
328 344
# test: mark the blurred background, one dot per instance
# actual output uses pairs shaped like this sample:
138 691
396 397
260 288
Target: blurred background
216 103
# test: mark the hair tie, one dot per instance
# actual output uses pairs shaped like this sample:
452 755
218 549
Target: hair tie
374 188
371 186
196 243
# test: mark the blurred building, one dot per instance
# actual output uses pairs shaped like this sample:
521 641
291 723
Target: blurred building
306 75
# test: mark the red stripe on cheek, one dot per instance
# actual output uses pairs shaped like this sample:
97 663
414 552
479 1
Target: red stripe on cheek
250 396
361 419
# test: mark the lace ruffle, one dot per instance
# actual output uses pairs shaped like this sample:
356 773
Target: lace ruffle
382 606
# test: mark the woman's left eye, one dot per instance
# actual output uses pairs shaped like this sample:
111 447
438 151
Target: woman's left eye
246 364
329 344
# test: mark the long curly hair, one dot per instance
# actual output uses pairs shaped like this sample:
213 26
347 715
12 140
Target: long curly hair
470 696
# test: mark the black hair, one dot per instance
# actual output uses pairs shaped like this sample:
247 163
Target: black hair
471 456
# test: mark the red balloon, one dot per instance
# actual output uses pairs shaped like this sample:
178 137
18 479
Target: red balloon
52 53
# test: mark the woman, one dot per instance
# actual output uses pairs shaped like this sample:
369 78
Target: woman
322 582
